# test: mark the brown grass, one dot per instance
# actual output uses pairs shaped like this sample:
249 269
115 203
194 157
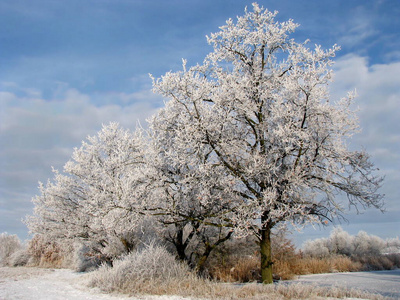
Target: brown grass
193 286
237 269
46 254
325 265
247 269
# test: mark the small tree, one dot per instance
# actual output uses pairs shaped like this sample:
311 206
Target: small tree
259 103
99 198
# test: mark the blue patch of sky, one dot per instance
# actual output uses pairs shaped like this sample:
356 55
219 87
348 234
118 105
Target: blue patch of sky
100 45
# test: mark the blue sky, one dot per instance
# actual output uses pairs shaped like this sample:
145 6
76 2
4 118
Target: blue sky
67 67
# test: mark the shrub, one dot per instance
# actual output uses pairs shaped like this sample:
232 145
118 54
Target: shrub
375 263
344 252
365 244
394 258
149 270
236 260
392 246
340 242
9 244
48 253
285 256
316 248
19 258
237 269
84 260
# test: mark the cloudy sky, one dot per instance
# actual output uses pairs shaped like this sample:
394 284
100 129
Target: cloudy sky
67 67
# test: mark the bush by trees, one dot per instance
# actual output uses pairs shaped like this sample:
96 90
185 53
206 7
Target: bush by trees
10 245
342 243
151 269
371 252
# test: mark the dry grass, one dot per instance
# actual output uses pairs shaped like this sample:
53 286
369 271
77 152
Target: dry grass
192 286
44 253
155 271
325 265
238 269
247 269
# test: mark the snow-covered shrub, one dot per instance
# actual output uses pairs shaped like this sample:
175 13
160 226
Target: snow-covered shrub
49 253
365 244
84 259
19 258
9 244
149 270
316 248
392 246
340 242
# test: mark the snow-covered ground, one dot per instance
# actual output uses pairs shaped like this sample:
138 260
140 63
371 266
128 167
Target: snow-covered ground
34 283
386 283
53 284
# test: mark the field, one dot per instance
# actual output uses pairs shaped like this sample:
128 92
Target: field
38 283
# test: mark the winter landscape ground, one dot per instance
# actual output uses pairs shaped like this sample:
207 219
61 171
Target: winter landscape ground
56 284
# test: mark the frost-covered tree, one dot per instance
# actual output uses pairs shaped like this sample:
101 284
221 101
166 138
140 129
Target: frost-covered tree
188 195
340 242
365 244
98 198
316 248
259 106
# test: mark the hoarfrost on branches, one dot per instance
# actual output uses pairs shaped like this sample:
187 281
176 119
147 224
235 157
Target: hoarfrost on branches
99 197
260 104
247 141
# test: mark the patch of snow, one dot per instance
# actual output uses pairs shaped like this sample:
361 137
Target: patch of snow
386 283
23 283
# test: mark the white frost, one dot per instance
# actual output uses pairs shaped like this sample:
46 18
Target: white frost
59 284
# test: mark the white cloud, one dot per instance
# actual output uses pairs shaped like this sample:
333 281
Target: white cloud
378 89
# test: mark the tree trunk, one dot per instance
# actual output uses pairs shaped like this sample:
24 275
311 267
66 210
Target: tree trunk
129 247
266 255
180 245
208 249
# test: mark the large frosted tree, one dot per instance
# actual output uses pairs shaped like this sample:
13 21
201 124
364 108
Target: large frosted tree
98 199
259 106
